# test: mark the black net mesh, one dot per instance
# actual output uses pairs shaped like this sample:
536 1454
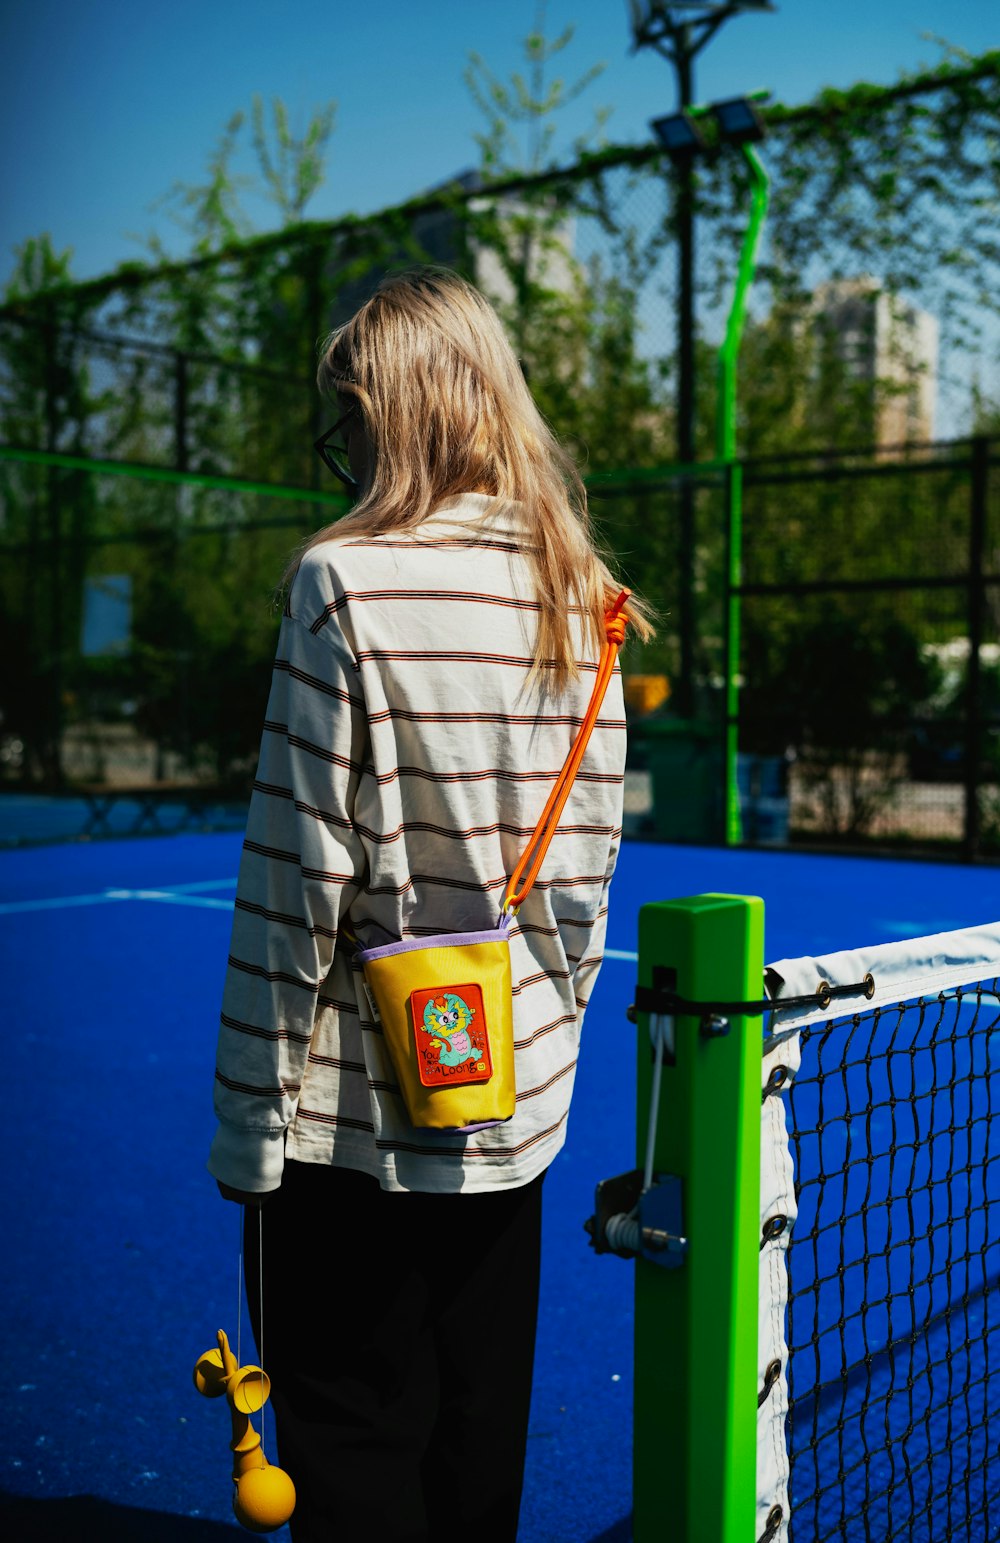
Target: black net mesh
893 1316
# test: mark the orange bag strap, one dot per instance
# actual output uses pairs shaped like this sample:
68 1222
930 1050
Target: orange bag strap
614 636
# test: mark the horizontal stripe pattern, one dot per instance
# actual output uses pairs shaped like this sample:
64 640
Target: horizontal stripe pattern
451 656
455 543
402 771
415 596
528 720
315 683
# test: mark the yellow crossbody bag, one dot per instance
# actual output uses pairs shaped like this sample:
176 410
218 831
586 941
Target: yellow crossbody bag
444 1003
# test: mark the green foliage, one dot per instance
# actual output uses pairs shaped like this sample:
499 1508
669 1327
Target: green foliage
300 169
903 184
843 688
575 326
531 101
203 655
38 269
985 411
216 219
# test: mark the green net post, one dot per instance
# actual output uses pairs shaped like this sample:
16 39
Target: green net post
696 1324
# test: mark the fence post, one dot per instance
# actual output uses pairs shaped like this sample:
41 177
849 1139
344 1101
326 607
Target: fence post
696 1325
977 598
54 641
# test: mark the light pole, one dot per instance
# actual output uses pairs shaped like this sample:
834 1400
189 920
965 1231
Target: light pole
739 124
678 30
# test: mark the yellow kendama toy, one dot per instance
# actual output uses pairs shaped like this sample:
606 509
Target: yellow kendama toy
264 1496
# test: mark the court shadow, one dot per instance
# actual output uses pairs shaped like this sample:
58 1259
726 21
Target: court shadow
85 1519
621 1532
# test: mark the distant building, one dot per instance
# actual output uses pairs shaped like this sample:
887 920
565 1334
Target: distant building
531 234
892 345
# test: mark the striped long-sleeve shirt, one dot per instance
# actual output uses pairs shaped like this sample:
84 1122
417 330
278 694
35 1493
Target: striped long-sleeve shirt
403 768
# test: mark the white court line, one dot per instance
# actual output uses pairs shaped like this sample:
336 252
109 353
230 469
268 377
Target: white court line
9 907
171 897
183 894
194 889
620 953
177 894
175 897
921 929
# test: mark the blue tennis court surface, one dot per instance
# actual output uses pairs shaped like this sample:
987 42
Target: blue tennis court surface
121 1261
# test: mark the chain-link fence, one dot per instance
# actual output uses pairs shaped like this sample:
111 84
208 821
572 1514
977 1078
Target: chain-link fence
139 651
157 470
866 656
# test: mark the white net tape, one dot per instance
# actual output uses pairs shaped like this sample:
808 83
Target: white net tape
903 972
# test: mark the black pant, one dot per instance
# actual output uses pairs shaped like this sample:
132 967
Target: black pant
399 1336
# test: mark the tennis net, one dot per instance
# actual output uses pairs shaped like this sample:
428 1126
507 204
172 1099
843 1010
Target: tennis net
879 1397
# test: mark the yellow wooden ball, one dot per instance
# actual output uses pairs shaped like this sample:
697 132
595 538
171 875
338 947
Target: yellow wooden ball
264 1499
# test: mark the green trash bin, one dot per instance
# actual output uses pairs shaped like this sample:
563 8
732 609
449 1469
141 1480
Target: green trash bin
687 775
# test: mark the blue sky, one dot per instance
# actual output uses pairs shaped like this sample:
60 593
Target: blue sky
104 104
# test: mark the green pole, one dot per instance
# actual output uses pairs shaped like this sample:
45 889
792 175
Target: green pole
696 1324
725 423
725 450
734 549
101 468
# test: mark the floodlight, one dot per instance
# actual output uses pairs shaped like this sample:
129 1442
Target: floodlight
679 135
739 121
652 8
645 13
679 29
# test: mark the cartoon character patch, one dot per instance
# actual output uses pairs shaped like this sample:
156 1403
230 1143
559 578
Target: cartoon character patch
452 1039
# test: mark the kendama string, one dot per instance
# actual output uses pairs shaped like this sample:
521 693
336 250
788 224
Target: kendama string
260 1301
239 1292
240 1280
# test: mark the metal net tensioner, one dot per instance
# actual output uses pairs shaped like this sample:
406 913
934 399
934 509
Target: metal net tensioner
641 1212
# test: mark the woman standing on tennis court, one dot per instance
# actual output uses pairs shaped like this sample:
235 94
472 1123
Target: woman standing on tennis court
436 658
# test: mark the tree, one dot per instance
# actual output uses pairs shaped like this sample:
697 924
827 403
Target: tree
217 217
900 183
576 327
842 685
38 269
531 101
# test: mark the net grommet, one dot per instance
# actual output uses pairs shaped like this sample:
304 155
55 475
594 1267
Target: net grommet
771 1376
777 1077
775 1517
869 985
772 1228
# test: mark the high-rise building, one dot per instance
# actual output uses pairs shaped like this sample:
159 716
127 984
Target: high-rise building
888 343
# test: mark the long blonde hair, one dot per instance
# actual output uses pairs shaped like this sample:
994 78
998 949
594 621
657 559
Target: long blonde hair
446 411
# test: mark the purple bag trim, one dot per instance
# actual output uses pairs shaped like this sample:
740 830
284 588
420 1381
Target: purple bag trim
470 1130
498 934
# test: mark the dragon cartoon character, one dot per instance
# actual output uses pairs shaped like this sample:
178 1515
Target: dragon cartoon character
447 1019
